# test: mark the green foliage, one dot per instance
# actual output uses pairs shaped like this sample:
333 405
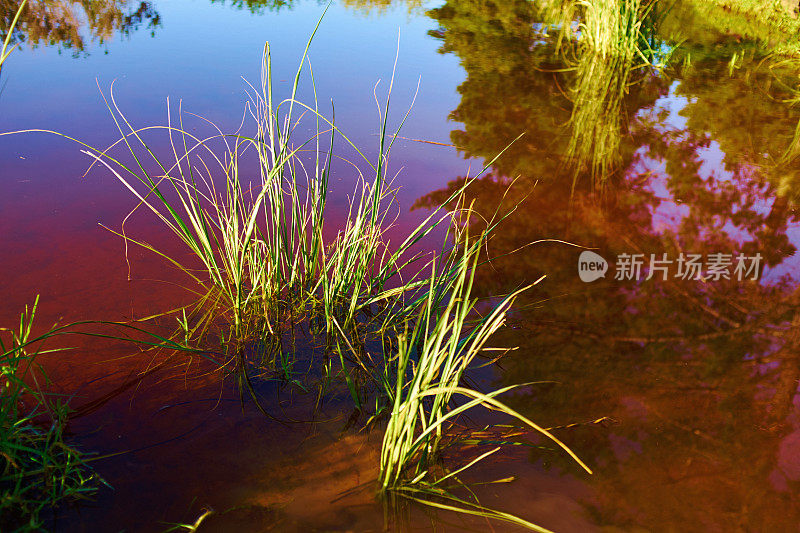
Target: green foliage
705 25
429 366
38 469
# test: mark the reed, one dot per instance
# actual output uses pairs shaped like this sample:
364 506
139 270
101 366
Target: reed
428 393
604 41
611 27
430 363
600 86
259 236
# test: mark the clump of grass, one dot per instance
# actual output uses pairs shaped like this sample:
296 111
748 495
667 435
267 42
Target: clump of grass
594 146
262 244
611 27
429 367
258 240
251 210
38 469
260 236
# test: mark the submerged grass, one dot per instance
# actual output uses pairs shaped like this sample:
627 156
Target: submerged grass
39 469
261 242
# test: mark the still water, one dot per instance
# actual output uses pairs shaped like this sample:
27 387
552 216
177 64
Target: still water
679 392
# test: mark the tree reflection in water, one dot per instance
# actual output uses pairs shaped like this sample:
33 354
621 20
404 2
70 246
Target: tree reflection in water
76 25
701 375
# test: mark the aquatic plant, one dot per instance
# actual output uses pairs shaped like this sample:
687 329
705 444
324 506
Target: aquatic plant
603 42
430 363
251 210
260 235
264 246
38 469
194 526
600 85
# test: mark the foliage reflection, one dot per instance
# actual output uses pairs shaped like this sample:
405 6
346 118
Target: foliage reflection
700 374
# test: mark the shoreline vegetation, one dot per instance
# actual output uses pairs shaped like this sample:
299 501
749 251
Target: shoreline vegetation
773 24
39 469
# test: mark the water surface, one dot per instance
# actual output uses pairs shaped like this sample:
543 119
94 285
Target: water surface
680 393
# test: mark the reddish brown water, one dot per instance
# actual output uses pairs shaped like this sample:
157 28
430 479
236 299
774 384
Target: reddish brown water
679 393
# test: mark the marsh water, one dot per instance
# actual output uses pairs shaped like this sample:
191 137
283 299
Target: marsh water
679 392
